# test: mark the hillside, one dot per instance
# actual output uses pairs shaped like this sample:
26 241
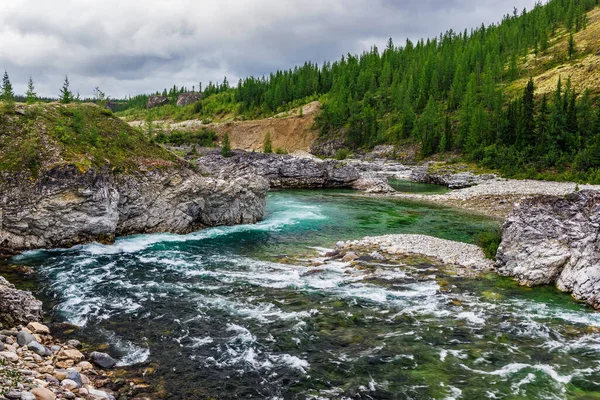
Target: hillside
583 69
41 136
464 94
289 131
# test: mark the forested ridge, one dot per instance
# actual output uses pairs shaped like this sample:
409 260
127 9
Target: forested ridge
449 94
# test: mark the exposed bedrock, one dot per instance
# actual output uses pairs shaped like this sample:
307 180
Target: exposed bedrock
291 172
555 240
65 206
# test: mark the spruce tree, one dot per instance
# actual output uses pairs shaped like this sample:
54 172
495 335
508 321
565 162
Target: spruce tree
226 146
527 125
66 96
571 47
267 145
31 96
7 93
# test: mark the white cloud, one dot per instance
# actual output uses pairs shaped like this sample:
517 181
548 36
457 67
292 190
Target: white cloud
134 46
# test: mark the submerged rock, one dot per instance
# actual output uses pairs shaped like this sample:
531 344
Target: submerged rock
555 240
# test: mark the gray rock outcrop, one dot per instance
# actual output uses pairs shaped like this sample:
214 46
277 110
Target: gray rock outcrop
17 306
157 101
64 206
555 240
188 98
458 180
282 171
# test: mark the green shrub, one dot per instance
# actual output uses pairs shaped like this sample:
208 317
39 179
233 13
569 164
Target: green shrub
268 146
489 241
279 150
226 147
342 154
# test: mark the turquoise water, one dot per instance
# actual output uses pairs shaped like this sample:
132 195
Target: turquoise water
236 312
403 186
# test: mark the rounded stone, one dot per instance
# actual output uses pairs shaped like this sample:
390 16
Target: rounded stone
24 338
43 394
102 360
69 384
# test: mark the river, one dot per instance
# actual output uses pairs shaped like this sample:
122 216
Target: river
237 312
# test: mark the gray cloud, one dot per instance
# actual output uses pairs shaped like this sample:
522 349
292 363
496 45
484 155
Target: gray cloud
135 46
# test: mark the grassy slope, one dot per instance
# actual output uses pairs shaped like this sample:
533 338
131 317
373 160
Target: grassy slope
583 69
42 136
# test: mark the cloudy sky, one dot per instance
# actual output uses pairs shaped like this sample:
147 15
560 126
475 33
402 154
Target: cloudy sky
128 47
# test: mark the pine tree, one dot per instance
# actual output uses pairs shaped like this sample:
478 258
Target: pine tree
542 125
7 94
572 48
428 128
527 125
226 146
30 95
66 96
267 145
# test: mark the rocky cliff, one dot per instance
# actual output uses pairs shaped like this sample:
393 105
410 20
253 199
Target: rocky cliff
555 240
82 187
291 172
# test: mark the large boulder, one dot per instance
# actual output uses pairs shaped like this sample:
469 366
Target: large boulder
188 98
18 307
555 240
157 101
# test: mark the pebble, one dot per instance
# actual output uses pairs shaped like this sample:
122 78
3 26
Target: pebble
10 356
36 327
43 394
102 359
75 376
37 348
27 396
69 384
71 354
68 395
84 366
13 394
74 343
24 338
350 256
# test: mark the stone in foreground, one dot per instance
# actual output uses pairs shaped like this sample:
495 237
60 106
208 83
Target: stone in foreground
102 360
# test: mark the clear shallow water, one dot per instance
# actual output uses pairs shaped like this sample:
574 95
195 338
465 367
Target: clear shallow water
231 312
403 186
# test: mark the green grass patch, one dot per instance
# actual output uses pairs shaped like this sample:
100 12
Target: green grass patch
41 136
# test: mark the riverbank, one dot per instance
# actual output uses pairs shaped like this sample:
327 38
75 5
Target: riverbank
497 197
36 366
